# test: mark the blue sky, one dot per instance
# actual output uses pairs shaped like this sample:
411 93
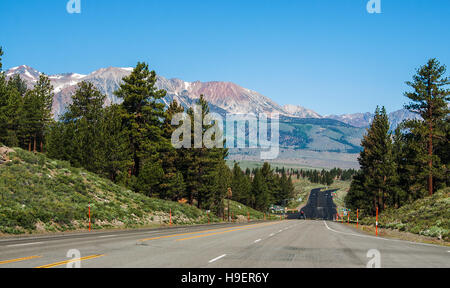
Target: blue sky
327 55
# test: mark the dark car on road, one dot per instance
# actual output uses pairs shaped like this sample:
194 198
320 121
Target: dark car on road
302 215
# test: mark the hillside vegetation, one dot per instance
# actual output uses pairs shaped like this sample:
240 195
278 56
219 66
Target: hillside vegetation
39 194
241 212
429 216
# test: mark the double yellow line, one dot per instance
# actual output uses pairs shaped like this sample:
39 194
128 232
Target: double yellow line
238 228
70 261
49 265
19 259
206 231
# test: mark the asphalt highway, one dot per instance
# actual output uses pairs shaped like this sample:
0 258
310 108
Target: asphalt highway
279 244
320 206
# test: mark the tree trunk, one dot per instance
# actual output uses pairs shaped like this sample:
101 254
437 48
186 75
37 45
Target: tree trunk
430 153
375 204
34 144
380 199
385 196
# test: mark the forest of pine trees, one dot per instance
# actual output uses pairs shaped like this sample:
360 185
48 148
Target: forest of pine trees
398 167
25 114
130 143
326 177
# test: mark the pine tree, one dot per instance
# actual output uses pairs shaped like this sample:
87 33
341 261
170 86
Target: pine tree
16 82
284 193
260 192
377 165
60 141
220 182
37 109
143 114
81 130
172 185
357 196
87 102
430 100
115 150
240 185
1 54
400 182
273 185
4 96
12 112
201 163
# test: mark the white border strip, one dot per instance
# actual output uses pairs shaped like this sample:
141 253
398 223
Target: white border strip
24 244
218 258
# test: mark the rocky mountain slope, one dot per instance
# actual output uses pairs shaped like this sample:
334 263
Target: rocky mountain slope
224 97
364 119
305 136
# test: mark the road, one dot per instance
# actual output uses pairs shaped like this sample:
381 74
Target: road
279 244
320 206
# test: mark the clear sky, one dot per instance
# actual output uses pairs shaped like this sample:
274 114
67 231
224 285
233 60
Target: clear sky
327 55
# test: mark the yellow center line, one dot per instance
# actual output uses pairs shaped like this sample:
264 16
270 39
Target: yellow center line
19 259
218 233
191 233
70 261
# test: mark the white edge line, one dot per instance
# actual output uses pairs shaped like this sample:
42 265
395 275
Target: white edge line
218 258
274 234
106 236
25 244
259 240
381 238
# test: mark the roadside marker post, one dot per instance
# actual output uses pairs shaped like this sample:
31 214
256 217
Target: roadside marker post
348 217
376 225
248 216
89 217
170 211
357 217
207 213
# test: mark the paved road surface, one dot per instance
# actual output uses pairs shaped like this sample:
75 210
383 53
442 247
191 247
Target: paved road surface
290 243
320 206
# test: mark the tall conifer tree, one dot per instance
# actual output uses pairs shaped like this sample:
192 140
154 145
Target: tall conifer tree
429 99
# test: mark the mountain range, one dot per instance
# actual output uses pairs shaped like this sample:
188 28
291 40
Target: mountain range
305 135
223 96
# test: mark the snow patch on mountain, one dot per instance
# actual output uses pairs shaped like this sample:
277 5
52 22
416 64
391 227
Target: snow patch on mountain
300 111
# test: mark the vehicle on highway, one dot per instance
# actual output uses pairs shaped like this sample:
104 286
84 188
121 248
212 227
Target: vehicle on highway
302 215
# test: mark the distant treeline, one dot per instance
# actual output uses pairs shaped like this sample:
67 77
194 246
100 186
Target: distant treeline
411 162
261 187
325 177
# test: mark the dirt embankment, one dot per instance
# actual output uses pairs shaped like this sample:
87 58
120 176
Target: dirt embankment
4 154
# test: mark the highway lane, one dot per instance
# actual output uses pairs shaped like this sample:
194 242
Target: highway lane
320 206
284 244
